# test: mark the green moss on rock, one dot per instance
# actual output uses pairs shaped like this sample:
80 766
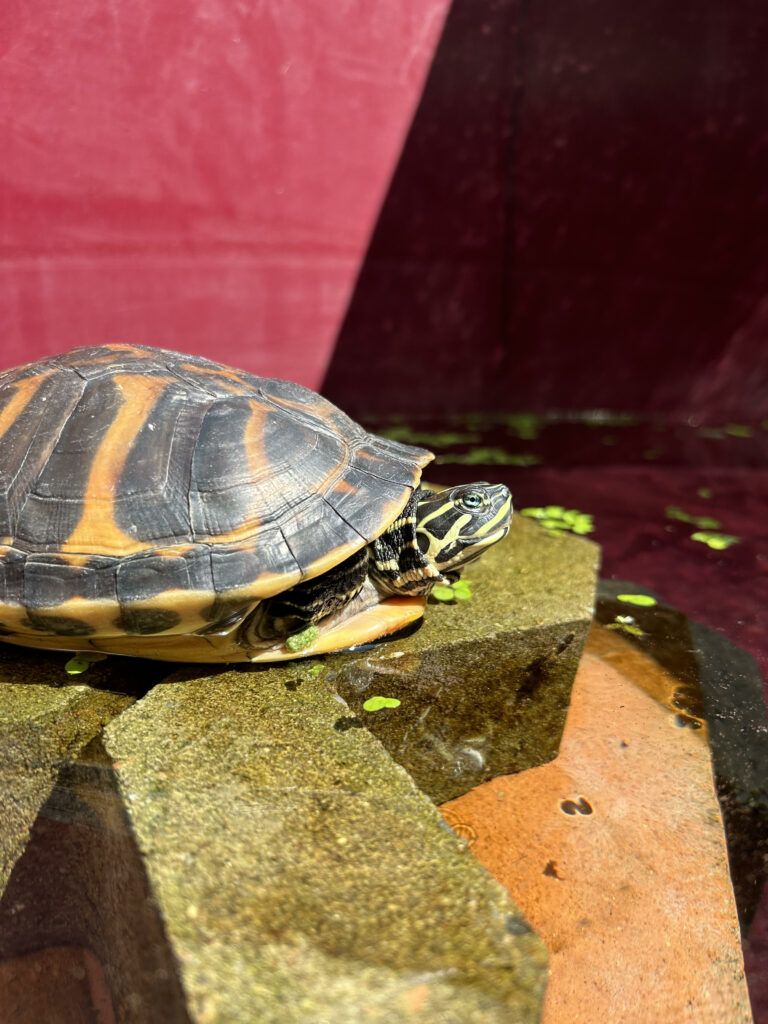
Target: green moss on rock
300 874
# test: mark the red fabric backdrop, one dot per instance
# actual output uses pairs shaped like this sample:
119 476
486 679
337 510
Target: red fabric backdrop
198 174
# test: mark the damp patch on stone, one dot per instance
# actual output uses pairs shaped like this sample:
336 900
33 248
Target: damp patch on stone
347 722
580 806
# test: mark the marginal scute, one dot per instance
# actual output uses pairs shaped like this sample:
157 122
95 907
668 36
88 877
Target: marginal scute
146 576
50 580
59 625
12 562
145 621
225 610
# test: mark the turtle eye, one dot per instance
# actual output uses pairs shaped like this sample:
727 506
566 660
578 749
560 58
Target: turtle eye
472 501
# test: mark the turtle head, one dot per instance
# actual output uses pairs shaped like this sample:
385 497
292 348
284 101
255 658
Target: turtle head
455 526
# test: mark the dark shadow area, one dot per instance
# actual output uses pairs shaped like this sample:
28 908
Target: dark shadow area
576 220
133 677
81 882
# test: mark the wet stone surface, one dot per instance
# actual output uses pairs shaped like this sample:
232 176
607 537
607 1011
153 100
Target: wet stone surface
45 721
616 853
484 685
299 872
717 688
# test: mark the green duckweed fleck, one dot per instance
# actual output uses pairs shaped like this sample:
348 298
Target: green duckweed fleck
377 703
75 666
556 520
302 640
489 457
80 662
458 591
526 426
625 628
641 600
703 522
430 438
716 541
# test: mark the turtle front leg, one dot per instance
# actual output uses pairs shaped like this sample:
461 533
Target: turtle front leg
292 611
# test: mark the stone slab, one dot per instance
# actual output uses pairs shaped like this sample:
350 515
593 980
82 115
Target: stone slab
300 875
722 683
484 685
45 721
616 853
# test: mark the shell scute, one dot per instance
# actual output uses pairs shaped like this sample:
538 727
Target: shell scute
145 576
26 445
51 580
266 567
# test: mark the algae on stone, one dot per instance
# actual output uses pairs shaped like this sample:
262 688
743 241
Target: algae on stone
44 723
484 685
300 874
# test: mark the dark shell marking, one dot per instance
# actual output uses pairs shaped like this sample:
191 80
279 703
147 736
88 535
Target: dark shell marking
146 491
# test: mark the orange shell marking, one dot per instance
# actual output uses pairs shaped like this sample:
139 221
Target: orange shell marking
25 391
97 533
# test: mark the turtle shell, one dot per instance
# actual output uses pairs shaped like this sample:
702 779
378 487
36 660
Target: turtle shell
146 492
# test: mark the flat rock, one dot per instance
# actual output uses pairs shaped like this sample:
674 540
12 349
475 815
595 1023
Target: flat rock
484 685
44 723
300 875
617 855
720 683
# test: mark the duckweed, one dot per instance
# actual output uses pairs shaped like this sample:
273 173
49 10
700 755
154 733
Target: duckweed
430 438
458 591
716 541
557 520
302 640
524 425
489 457
641 600
626 628
377 703
79 664
703 522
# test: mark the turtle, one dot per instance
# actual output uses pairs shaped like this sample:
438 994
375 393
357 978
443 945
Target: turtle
166 506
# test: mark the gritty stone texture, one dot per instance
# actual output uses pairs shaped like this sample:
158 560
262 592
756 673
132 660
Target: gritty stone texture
616 853
485 684
44 723
301 876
